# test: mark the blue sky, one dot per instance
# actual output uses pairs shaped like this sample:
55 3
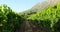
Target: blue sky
20 5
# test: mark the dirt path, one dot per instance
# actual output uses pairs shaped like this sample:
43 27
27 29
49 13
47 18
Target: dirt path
30 27
25 27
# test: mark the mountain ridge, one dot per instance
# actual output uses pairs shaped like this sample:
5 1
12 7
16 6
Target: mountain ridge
41 5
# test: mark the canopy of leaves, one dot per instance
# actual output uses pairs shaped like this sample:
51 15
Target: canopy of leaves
9 20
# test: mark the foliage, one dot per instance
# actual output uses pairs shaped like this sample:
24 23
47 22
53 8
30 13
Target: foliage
47 18
9 20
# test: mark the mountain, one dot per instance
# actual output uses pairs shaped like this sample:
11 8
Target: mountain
41 5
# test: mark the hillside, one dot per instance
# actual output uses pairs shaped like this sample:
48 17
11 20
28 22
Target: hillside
48 18
40 6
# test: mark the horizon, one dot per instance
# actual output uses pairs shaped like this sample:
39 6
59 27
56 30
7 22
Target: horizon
20 5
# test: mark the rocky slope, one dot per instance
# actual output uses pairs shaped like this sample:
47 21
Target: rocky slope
40 6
